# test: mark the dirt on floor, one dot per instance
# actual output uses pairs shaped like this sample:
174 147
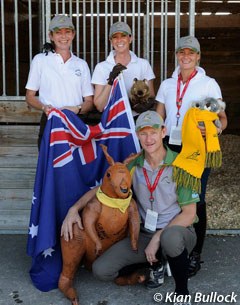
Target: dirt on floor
223 200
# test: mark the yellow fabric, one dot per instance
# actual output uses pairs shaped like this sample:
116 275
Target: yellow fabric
117 203
196 153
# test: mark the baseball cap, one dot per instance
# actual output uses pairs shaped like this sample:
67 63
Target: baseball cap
189 42
60 22
120 27
149 119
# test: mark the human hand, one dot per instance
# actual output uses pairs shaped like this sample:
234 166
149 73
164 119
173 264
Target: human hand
67 225
202 128
152 249
47 108
117 69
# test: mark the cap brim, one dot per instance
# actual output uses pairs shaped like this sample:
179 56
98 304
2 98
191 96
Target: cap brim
188 47
155 126
123 32
61 27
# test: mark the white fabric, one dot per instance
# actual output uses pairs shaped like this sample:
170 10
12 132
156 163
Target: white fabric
199 88
60 84
138 67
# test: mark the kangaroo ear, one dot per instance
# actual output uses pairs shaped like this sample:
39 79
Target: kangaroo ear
135 80
108 157
130 158
145 81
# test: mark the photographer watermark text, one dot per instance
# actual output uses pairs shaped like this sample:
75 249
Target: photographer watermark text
198 297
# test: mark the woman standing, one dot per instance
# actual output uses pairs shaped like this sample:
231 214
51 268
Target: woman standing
189 83
62 79
105 72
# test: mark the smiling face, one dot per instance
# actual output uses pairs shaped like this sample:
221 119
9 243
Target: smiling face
187 59
62 39
121 42
151 139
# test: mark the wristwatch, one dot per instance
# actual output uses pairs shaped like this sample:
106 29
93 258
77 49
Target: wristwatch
79 109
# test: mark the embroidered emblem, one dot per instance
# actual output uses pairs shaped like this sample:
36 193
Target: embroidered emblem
78 72
194 155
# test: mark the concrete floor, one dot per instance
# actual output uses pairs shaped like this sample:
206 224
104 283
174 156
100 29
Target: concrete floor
220 273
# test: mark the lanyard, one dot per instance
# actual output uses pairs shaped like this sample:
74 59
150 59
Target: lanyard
150 187
180 97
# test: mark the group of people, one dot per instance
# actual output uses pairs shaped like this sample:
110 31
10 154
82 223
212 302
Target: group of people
176 216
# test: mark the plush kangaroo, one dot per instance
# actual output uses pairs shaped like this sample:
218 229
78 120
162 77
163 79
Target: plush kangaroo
104 224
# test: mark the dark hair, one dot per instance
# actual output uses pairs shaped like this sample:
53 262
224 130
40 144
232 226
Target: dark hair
48 47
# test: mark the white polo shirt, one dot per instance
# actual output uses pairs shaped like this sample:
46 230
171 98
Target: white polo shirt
199 88
138 67
60 84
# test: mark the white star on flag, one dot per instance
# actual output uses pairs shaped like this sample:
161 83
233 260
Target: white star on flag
97 183
48 252
33 230
33 199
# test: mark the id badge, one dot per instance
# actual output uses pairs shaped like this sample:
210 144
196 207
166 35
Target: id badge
175 136
151 220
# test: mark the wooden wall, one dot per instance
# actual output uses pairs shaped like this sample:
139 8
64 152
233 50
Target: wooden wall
18 159
219 37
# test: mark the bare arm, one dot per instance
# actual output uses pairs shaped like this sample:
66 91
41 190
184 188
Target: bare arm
102 91
73 216
101 96
223 119
185 219
161 110
151 88
134 224
34 102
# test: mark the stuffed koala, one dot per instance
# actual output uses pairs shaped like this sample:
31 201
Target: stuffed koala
213 105
140 100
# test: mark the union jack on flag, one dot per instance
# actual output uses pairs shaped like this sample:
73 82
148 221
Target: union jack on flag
70 163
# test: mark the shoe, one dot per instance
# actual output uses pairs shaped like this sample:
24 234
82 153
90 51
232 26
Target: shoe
156 277
194 264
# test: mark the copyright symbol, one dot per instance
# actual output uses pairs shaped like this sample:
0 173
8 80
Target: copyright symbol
157 297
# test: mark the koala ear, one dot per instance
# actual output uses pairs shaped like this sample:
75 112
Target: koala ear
222 105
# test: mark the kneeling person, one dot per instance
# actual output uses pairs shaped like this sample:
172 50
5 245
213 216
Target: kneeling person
167 213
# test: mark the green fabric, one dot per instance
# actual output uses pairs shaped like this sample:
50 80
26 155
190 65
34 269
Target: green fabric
185 195
213 159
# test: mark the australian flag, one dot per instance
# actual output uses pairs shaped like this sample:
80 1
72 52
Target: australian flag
70 163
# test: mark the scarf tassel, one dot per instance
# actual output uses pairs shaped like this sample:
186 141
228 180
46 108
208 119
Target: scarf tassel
213 159
184 179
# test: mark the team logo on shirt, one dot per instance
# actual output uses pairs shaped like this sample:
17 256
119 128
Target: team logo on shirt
78 72
194 195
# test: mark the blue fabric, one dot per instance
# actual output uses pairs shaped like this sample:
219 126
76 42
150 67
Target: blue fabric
70 163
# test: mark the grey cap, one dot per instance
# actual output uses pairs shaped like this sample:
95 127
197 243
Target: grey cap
149 119
189 42
120 27
60 22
